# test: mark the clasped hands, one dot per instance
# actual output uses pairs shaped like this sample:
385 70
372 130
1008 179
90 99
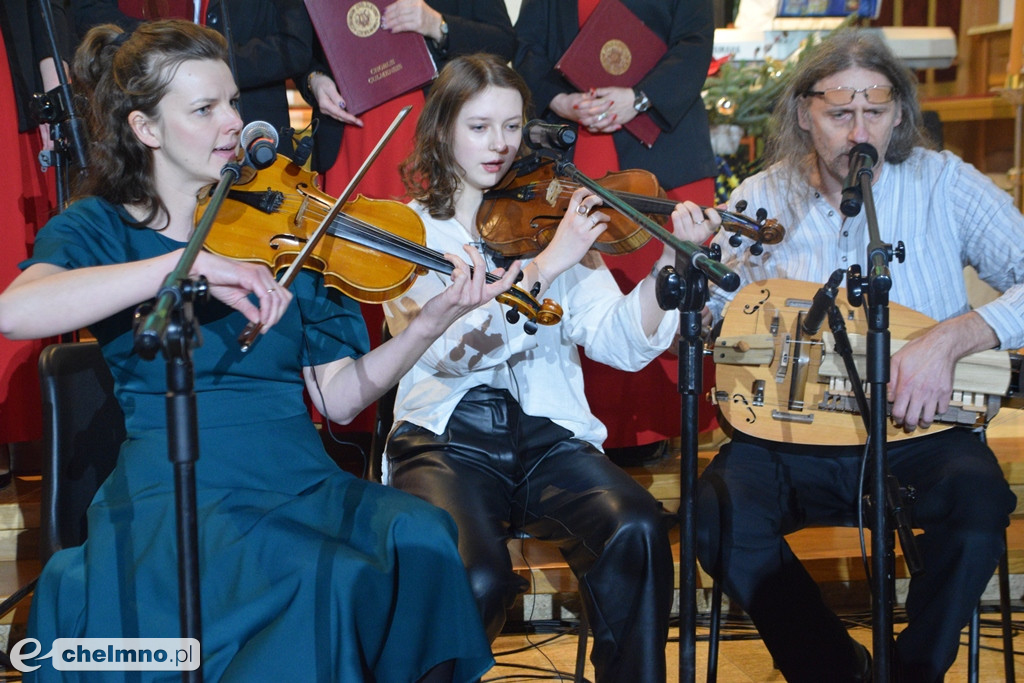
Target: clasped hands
599 110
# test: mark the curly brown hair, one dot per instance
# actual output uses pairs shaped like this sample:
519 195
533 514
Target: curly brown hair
430 173
116 73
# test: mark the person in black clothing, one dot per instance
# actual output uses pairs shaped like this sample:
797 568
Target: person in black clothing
270 42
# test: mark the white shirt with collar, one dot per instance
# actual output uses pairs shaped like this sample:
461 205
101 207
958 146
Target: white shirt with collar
947 213
542 371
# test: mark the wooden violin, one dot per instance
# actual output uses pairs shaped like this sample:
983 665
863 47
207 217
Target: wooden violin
518 217
372 251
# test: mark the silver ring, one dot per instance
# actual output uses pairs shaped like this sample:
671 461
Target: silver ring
594 221
600 117
701 221
271 290
582 209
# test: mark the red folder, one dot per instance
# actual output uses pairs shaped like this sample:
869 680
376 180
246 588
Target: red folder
614 48
370 65
158 9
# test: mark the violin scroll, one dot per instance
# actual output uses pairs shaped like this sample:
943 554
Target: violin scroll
761 229
521 301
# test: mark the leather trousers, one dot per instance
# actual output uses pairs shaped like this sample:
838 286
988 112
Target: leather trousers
497 471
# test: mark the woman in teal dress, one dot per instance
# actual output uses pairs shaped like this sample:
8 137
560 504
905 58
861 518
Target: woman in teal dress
306 572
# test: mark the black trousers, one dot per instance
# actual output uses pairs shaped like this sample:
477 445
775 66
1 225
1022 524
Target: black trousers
755 492
495 470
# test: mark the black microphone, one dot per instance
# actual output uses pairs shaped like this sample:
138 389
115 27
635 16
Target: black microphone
862 159
259 141
541 135
823 301
303 150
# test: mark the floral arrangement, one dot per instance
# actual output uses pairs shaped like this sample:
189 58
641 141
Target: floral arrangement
743 93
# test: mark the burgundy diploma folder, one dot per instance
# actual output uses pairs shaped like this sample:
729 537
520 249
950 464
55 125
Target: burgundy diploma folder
614 48
369 64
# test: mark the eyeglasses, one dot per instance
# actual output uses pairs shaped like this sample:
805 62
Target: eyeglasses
874 94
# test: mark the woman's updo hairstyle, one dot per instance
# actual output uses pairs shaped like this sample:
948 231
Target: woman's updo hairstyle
116 73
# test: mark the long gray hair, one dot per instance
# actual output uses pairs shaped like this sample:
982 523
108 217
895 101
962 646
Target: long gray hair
846 49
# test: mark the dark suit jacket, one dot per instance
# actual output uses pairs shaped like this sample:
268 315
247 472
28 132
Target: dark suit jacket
271 40
473 26
682 153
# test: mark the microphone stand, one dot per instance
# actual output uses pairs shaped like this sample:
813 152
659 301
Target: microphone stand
879 282
688 293
169 325
67 130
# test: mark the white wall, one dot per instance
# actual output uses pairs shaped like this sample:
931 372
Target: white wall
1006 11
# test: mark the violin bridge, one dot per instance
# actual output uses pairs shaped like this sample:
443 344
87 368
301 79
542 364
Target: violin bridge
301 213
554 191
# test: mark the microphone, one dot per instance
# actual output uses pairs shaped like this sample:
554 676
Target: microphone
259 141
862 159
541 135
823 301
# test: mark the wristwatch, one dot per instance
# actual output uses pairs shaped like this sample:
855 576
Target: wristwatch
640 102
443 42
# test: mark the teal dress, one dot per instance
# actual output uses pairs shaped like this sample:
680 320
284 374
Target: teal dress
307 573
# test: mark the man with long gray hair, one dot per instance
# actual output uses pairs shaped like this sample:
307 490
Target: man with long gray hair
851 92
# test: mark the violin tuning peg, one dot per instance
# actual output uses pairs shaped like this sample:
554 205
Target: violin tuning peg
535 290
741 205
530 327
756 248
512 316
735 240
761 215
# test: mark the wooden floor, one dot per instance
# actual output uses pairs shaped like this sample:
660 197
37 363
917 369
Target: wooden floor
742 659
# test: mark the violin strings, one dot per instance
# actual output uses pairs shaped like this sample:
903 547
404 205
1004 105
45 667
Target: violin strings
568 187
359 227
729 218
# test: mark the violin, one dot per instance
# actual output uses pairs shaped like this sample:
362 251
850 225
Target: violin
372 250
518 217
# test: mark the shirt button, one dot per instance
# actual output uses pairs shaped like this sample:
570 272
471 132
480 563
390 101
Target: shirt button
831 213
844 259
846 233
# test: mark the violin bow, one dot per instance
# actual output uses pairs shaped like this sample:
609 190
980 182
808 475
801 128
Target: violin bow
248 335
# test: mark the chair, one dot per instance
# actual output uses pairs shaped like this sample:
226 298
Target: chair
382 428
1005 614
83 428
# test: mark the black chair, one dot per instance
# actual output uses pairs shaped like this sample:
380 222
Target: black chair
1005 616
378 439
83 428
